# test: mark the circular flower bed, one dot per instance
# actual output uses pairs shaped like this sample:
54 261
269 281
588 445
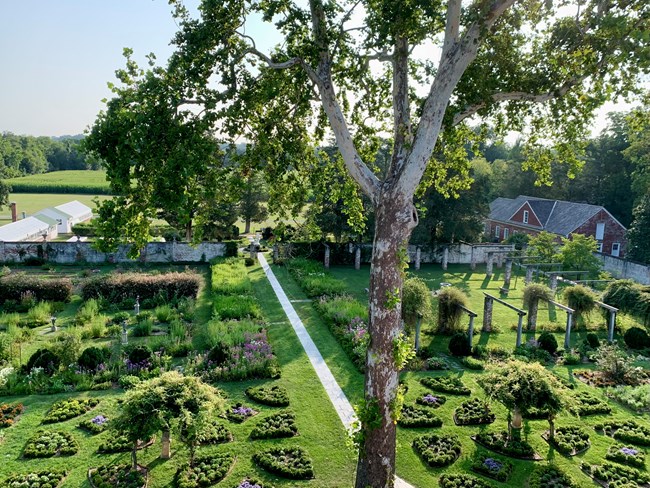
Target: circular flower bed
94 425
550 476
67 409
499 469
122 475
570 440
437 450
47 444
626 431
281 424
414 416
9 412
461 481
291 462
473 412
615 475
626 455
499 442
274 396
446 384
205 471
430 400
239 413
39 479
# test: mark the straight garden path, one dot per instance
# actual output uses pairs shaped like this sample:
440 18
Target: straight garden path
339 400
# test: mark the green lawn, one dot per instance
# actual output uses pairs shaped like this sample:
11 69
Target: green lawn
409 465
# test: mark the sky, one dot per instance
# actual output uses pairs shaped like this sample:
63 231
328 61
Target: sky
58 55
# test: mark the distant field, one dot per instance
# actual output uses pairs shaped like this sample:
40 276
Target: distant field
33 202
78 182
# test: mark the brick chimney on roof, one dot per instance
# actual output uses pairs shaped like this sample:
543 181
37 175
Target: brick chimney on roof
14 211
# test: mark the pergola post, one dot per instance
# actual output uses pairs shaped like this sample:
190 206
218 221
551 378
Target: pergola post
508 273
612 323
357 258
489 265
326 261
533 306
488 305
445 258
473 260
418 257
471 331
520 326
552 283
529 274
567 335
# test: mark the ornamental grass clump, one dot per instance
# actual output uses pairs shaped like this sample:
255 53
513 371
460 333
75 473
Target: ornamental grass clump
449 312
230 277
582 300
533 293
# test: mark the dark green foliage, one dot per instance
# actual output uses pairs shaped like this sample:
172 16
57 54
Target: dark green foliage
142 329
570 440
139 354
616 476
414 416
638 234
587 404
215 433
204 471
115 443
626 455
536 291
472 363
592 340
496 468
437 450
547 342
473 412
636 338
429 400
446 384
38 479
128 381
230 277
121 475
550 476
49 443
43 358
97 427
239 412
289 462
501 443
455 480
449 312
416 300
275 396
67 409
14 286
118 287
459 345
280 424
92 357
626 431
314 279
580 298
219 353
629 297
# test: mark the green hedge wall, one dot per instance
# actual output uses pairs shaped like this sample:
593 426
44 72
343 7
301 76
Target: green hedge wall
12 287
117 287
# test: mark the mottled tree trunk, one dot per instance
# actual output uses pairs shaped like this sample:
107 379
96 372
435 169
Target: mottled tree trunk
247 225
533 306
395 220
134 455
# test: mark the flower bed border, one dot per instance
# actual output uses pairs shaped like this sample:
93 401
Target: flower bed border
534 457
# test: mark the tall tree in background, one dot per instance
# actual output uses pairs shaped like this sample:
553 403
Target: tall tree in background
254 195
348 68
638 235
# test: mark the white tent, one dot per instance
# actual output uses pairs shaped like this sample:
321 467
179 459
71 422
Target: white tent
29 229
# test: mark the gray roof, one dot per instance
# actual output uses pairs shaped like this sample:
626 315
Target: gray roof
556 216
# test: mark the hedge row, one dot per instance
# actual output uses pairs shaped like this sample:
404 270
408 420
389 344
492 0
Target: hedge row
14 287
629 297
118 287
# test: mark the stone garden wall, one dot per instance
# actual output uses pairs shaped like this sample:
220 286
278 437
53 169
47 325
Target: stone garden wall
621 268
82 252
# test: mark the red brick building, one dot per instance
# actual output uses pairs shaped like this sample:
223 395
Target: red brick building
531 215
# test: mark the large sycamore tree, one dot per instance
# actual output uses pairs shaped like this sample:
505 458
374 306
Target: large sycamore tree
417 72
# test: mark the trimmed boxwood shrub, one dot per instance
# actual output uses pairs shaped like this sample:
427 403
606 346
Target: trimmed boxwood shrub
13 287
215 433
550 476
473 412
499 469
636 338
38 479
43 358
140 354
112 475
437 450
239 412
547 342
281 424
50 443
570 440
95 425
615 475
446 384
163 287
588 404
459 345
205 471
414 416
626 455
449 480
314 279
115 443
274 396
92 357
289 462
67 409
626 431
499 442
9 412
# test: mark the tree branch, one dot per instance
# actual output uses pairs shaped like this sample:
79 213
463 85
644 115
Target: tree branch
452 26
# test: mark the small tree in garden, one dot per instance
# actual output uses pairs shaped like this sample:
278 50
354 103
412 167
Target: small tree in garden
449 312
616 365
544 246
521 387
582 300
416 305
533 293
577 254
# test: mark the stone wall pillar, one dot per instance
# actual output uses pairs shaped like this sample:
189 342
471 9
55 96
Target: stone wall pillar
612 323
532 313
357 258
418 257
520 324
471 331
326 262
490 264
508 273
473 260
500 260
567 334
488 305
445 258
529 275
552 282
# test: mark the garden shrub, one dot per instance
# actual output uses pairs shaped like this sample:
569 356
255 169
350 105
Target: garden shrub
219 354
38 315
629 297
550 476
617 366
205 471
38 479
50 443
95 425
456 480
592 340
437 450
139 354
415 416
161 287
446 384
164 313
87 312
616 476
67 409
215 433
500 442
128 381
14 287
498 469
122 475
235 307
473 412
587 404
472 363
9 412
636 338
115 443
429 400
274 426
288 462
581 299
449 312
274 396
535 291
92 357
314 279
547 342
570 440
416 301
142 329
459 345
626 431
634 397
239 412
626 455
43 358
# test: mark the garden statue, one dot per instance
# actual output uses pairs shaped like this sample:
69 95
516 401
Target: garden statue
137 304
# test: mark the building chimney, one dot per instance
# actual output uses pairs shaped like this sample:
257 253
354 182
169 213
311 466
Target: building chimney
24 215
14 212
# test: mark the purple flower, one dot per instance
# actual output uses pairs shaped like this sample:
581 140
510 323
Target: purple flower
429 398
628 451
246 411
99 420
492 464
248 484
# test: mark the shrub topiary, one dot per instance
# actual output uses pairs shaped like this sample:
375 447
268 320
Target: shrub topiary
592 340
459 345
449 312
46 359
636 338
547 342
92 357
139 354
219 353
